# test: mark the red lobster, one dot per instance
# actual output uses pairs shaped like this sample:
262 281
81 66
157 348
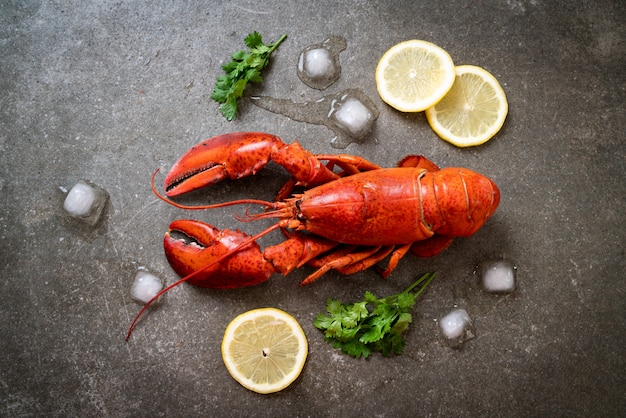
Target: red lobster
351 215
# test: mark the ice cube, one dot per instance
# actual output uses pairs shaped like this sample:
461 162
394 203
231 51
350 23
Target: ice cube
317 63
86 201
145 287
498 276
354 116
324 111
456 327
80 200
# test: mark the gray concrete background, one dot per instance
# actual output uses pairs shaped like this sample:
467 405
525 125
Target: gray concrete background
108 91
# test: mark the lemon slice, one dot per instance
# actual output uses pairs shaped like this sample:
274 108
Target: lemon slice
414 75
264 349
473 111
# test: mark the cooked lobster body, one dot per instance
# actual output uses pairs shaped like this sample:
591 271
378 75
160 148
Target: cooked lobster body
350 215
394 206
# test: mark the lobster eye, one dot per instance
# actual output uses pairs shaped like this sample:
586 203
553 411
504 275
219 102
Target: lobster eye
299 214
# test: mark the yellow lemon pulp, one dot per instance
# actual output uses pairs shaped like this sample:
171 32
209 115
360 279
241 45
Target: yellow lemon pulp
473 111
414 75
264 349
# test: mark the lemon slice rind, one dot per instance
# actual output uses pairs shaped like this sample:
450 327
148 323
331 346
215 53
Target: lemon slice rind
414 75
264 349
473 111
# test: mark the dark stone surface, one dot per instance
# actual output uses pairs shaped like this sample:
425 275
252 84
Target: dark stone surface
108 91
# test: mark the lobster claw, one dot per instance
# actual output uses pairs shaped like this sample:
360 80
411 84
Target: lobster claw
231 156
192 245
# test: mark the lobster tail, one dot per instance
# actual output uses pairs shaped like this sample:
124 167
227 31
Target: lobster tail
462 201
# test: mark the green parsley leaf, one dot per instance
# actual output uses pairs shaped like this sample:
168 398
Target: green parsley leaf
253 40
372 325
245 67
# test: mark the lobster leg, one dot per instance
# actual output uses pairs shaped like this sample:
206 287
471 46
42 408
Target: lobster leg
397 252
432 246
418 161
350 165
338 263
346 261
368 262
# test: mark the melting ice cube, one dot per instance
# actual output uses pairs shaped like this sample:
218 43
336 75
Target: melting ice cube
86 201
145 287
498 276
355 117
350 114
456 327
80 200
318 64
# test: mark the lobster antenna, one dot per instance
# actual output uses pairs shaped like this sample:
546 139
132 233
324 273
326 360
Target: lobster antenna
212 206
284 212
198 272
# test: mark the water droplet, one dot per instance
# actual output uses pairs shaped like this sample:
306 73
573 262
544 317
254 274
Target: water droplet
318 64
350 114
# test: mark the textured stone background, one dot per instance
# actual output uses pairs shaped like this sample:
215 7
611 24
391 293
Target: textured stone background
108 91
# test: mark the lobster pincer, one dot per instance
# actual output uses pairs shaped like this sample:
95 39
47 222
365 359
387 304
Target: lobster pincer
191 245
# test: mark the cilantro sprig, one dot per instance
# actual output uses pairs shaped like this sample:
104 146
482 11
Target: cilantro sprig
372 325
245 67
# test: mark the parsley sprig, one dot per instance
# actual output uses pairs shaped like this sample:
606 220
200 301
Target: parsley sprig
245 67
359 330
